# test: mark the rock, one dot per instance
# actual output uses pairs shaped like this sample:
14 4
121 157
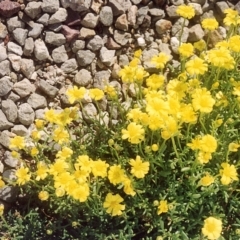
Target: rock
9 160
40 50
122 23
20 130
123 60
5 86
121 37
56 39
89 112
59 54
69 33
196 33
112 45
35 30
163 26
5 68
4 123
221 7
33 9
9 108
13 96
147 56
9 8
177 26
14 48
5 138
50 6
8 194
48 89
83 78
106 16
86 33
3 30
1 167
69 66
177 2
27 67
44 19
23 88
28 47
3 55
107 56
214 38
174 42
78 45
197 7
76 5
171 12
84 57
20 35
73 18
141 14
59 16
96 5
37 101
14 22
26 114
90 20
132 15
95 43
184 34
117 8
101 78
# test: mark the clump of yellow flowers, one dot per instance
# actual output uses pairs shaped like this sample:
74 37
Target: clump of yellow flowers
177 145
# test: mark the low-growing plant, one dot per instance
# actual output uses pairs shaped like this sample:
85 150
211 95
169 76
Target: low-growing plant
161 164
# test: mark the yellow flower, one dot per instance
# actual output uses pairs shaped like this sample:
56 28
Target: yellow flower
186 50
84 162
34 151
155 81
212 228
233 147
65 153
43 195
208 144
128 189
50 115
195 144
228 173
23 175
138 53
139 168
60 135
99 168
163 207
177 88
96 94
79 192
160 60
140 74
58 167
154 147
112 204
1 209
110 91
134 133
185 11
202 100
196 66
63 179
42 171
234 43
39 123
232 17
127 74
200 45
204 157
2 183
188 115
210 24
116 174
17 143
75 94
206 180
60 192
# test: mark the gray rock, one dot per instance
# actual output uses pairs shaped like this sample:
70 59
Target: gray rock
221 7
123 60
23 88
107 56
201 2
48 89
106 16
4 123
14 97
58 17
95 43
174 43
3 30
132 15
78 45
56 39
9 160
33 9
85 57
14 22
1 167
141 42
59 54
147 56
195 33
9 108
5 86
14 48
44 19
117 8
177 2
5 68
20 130
69 66
5 138
184 34
141 14
197 7
20 35
122 22
83 78
171 12
76 5
89 112
157 13
26 114
28 47
8 194
163 26
90 20
50 6
101 78
27 67
121 37
3 55
35 30
177 26
86 33
37 101
40 50
15 61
